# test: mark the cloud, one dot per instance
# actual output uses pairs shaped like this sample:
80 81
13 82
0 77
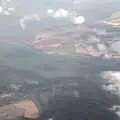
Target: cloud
1 9
60 13
6 13
50 118
11 9
6 95
50 11
15 87
115 109
79 20
112 84
31 17
28 18
22 24
101 48
5 8
63 13
116 47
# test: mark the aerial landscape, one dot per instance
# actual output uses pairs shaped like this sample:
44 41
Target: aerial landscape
60 59
83 39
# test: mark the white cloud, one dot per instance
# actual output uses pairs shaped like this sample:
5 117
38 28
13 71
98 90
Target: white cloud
50 118
112 79
50 11
115 109
5 95
79 20
5 8
22 24
11 9
6 13
15 87
115 46
1 9
28 18
112 82
101 48
61 13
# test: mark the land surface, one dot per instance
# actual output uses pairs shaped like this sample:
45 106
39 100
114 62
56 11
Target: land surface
95 40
